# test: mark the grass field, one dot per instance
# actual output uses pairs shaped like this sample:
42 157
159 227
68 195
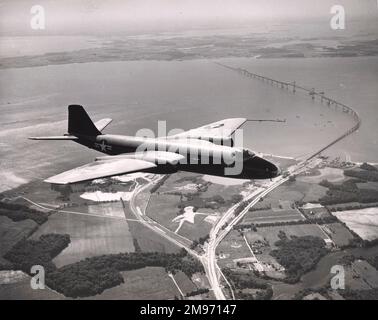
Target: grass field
185 284
185 182
368 185
113 209
316 213
12 232
271 233
339 234
38 191
366 271
148 240
283 192
163 208
20 289
232 247
225 191
360 275
188 183
331 174
200 280
199 229
149 283
90 236
272 216
364 222
314 193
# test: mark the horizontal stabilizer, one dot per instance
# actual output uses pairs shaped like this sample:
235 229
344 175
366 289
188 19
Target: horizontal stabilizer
100 169
102 124
55 138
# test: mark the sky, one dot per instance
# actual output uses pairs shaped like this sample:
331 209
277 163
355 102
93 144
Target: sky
85 16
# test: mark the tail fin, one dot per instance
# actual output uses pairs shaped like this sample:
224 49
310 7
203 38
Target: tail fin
79 122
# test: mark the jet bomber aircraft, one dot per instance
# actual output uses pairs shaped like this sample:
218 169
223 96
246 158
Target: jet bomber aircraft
208 149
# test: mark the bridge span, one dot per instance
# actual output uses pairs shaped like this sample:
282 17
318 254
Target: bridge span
294 87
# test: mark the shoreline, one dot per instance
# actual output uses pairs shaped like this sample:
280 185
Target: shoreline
186 48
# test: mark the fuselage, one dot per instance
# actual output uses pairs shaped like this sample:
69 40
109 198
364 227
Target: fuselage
200 156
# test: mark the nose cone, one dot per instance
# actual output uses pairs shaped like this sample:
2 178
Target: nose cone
259 168
276 172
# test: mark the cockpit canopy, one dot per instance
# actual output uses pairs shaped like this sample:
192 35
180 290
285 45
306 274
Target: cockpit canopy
248 154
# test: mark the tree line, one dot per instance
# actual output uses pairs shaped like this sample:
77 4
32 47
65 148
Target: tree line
242 281
92 275
298 255
19 212
347 192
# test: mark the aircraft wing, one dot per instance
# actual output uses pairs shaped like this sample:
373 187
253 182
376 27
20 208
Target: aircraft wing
107 166
217 130
100 169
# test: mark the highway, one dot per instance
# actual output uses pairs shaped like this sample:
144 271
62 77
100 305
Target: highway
219 231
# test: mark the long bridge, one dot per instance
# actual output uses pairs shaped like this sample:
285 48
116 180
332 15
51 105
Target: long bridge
294 87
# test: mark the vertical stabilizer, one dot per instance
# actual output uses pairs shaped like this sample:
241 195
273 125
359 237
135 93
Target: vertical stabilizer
79 122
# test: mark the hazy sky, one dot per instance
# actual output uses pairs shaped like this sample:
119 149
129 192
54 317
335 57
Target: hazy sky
75 16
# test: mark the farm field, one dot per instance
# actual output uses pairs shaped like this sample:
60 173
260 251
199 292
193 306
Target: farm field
331 174
271 216
368 185
181 182
225 191
185 284
283 192
163 208
312 211
339 234
90 236
293 191
11 232
200 280
199 229
147 240
113 209
271 233
367 272
15 285
364 222
149 283
360 275
232 247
